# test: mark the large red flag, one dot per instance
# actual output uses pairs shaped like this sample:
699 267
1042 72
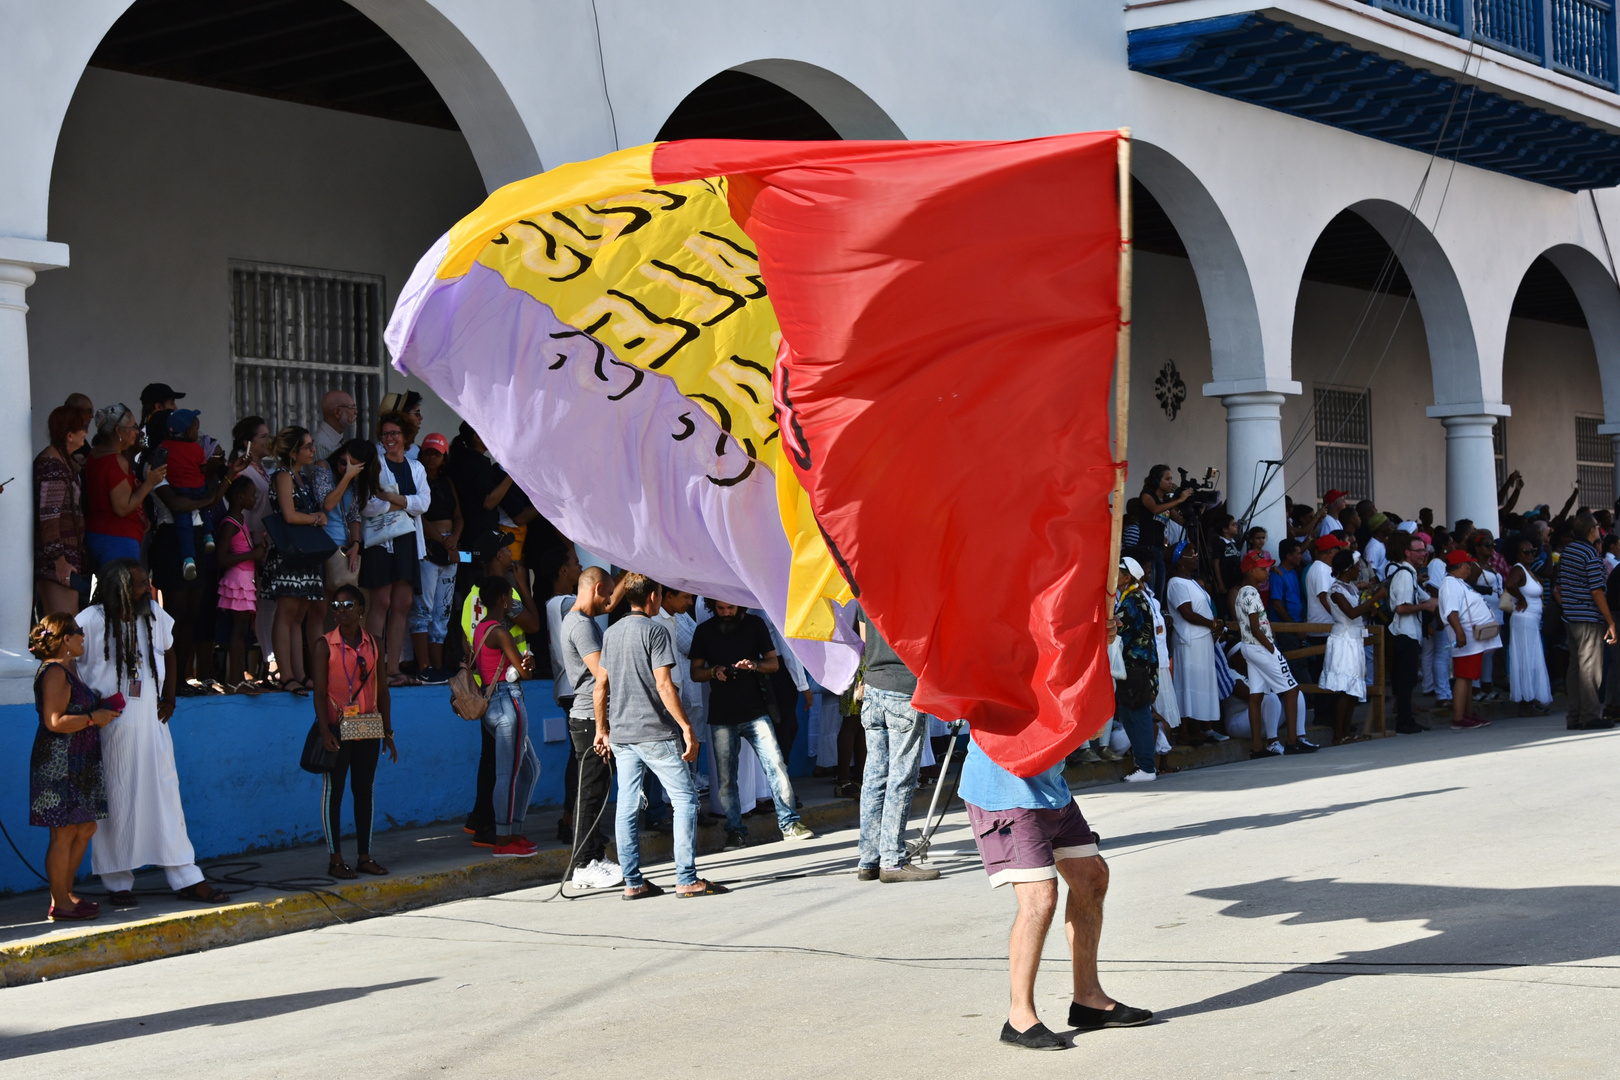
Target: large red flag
949 314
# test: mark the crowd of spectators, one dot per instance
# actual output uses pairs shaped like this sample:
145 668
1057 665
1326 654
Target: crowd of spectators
1204 594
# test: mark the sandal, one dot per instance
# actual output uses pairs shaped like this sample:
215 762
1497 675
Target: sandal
708 888
203 892
368 865
1348 739
339 869
645 892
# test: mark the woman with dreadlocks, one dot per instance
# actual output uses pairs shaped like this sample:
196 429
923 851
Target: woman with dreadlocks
129 650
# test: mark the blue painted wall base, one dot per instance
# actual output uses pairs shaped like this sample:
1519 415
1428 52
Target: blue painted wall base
243 790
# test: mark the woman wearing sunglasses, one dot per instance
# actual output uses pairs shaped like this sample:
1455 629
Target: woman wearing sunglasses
67 792
346 684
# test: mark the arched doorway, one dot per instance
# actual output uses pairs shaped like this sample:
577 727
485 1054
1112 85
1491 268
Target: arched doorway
778 99
239 185
1559 375
244 190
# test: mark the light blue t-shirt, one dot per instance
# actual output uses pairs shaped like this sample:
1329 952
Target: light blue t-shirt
990 787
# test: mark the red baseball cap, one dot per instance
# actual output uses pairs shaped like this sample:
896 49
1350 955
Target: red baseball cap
1329 542
1259 559
1333 496
437 442
1458 557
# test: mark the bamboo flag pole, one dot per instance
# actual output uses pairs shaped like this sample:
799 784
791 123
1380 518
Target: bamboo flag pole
1122 372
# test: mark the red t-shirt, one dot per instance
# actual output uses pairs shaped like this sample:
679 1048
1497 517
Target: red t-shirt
185 464
102 473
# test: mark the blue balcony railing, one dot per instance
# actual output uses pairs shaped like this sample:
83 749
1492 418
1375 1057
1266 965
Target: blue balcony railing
1576 37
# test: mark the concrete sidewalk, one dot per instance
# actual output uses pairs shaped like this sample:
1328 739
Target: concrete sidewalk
287 890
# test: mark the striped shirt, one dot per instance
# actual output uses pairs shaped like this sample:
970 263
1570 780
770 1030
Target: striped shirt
1580 572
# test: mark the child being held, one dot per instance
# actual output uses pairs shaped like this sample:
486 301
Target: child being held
186 460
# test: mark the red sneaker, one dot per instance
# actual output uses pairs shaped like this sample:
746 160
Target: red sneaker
513 847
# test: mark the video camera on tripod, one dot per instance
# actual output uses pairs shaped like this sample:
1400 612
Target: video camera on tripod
1201 494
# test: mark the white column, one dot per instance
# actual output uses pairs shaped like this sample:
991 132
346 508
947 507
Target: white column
1470 462
1253 445
20 260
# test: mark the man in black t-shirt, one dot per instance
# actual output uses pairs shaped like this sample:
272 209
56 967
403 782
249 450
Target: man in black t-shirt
734 653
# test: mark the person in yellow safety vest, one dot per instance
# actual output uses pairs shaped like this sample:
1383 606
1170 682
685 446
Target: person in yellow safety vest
526 614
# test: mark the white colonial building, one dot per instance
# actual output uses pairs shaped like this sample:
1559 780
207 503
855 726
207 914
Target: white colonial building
1372 232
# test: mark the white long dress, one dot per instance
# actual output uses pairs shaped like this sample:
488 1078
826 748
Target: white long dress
1527 663
145 825
1168 708
1344 664
1194 650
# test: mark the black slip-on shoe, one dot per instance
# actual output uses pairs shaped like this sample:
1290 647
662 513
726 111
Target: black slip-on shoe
1121 1015
1038 1037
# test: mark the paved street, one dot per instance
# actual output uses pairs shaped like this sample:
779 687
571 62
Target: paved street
1435 906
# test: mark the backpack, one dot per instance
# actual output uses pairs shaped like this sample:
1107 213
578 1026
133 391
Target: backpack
467 699
1383 612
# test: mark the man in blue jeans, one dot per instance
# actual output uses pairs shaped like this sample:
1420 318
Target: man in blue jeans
894 743
640 723
733 652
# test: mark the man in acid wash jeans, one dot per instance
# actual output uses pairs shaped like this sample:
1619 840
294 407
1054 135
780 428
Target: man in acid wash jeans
894 742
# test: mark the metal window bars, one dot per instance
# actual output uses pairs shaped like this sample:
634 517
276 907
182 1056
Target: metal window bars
1344 441
297 333
1594 463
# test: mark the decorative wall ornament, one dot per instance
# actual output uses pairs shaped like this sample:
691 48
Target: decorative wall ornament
1170 389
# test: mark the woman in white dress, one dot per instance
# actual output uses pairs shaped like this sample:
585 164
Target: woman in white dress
1193 644
1527 663
1344 664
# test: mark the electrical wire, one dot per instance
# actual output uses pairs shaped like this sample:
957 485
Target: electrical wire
581 834
20 856
601 66
1377 297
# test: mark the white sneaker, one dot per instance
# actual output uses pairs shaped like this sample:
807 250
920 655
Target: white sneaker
586 877
1219 736
610 873
1140 777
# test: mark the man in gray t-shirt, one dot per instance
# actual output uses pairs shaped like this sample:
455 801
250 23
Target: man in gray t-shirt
581 651
641 724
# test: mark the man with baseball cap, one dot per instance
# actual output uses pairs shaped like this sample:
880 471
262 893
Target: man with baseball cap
1332 504
1318 583
158 397
1467 617
1268 668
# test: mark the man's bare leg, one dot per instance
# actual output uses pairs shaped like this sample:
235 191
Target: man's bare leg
1037 903
1082 924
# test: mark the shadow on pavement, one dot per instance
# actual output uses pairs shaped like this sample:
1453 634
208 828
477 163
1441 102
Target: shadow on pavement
1472 929
217 1014
1112 844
